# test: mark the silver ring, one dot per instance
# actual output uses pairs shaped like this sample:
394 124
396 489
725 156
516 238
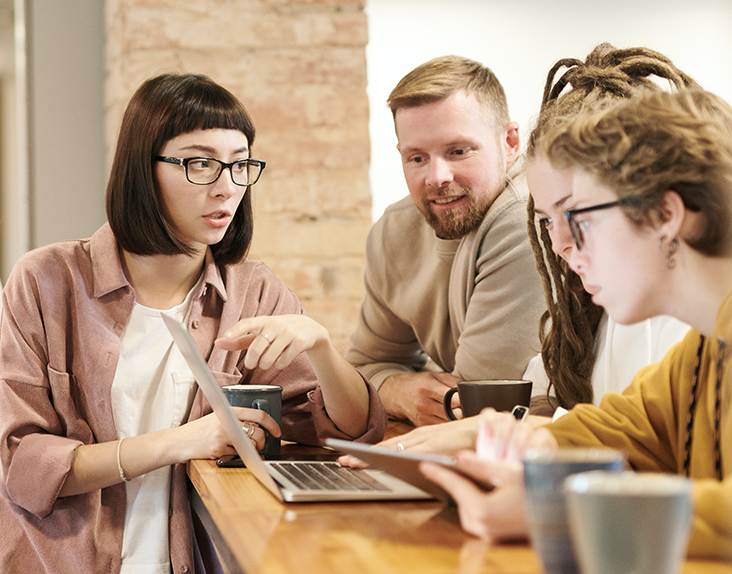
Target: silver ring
400 446
249 428
269 341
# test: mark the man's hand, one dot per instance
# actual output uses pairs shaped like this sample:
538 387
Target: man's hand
418 396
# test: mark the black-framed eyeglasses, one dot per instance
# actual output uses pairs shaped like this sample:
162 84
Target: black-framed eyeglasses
207 170
577 227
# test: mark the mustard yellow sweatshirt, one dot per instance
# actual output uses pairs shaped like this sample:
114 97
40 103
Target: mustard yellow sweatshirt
648 422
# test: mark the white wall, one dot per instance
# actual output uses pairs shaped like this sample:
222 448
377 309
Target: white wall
52 157
520 40
67 155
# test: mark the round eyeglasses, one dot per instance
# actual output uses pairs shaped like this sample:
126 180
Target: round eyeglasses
207 170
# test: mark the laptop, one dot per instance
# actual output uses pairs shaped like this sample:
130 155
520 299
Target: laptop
292 481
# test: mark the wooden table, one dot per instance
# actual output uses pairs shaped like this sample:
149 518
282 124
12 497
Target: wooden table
256 534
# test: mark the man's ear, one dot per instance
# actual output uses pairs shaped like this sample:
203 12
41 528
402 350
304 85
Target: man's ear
511 143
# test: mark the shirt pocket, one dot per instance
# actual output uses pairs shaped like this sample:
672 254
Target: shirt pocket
184 389
69 407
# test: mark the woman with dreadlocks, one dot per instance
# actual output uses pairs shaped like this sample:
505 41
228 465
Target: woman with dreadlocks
584 353
651 224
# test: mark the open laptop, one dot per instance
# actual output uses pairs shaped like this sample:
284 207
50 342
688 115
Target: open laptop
291 481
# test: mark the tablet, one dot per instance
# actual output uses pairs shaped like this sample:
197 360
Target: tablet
399 463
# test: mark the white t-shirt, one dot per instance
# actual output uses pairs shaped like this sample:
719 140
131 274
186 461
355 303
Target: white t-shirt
153 389
621 351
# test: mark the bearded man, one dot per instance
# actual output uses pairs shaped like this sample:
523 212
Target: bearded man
452 291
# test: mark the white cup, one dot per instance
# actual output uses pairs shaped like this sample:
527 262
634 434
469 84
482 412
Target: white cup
629 522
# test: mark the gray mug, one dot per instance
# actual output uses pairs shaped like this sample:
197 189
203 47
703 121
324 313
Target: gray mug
501 394
544 474
267 398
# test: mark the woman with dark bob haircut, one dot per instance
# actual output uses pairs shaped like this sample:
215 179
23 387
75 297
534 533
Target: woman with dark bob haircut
98 410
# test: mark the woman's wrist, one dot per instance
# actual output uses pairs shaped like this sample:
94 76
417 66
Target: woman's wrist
148 452
322 350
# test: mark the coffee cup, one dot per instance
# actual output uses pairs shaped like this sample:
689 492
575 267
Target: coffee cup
629 522
267 398
544 474
501 394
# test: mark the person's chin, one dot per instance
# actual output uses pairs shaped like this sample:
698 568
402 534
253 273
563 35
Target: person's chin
621 314
209 239
451 225
597 296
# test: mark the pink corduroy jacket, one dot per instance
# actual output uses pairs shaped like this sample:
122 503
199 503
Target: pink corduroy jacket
64 309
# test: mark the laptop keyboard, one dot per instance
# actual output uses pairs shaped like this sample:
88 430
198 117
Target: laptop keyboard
327 476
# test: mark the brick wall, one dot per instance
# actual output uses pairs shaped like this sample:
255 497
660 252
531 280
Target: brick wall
299 67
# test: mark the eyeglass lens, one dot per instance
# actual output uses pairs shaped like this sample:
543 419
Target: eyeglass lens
204 171
576 230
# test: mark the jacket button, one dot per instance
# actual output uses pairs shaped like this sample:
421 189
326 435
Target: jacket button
195 324
184 568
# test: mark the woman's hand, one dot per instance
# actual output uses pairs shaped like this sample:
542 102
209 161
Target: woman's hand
446 438
501 513
96 466
496 515
502 437
273 341
206 438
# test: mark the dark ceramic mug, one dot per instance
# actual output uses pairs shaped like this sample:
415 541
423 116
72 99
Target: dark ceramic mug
267 398
501 394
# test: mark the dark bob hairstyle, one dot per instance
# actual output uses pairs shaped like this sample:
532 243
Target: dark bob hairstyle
162 108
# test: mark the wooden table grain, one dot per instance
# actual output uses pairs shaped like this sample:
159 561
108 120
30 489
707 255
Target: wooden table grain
257 534
265 536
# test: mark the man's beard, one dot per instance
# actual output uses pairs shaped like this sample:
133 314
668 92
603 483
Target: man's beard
459 221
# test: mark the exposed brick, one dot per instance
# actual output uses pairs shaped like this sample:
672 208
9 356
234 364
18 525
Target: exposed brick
340 279
225 24
311 192
280 236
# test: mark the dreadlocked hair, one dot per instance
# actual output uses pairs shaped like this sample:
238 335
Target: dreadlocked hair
568 326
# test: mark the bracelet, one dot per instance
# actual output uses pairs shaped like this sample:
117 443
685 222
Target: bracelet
119 462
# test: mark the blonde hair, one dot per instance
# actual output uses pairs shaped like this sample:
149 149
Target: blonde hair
441 77
654 143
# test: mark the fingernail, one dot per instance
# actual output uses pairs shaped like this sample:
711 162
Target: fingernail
485 447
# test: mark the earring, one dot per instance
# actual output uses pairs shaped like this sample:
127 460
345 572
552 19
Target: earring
670 250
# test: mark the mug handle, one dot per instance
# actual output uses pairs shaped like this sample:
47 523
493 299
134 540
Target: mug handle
447 403
262 405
